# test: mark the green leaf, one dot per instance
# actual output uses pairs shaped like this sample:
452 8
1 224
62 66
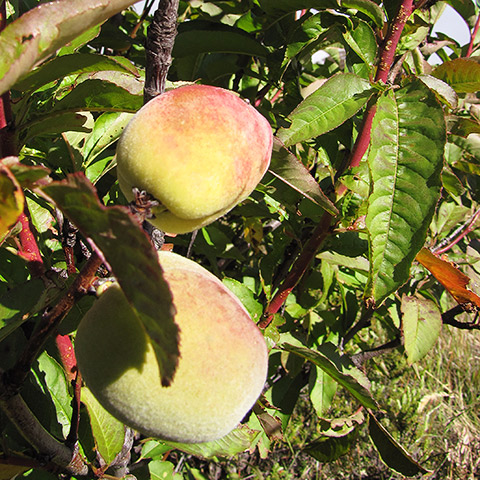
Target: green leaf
108 128
199 36
55 124
18 304
161 470
444 92
340 368
246 296
27 175
362 41
322 389
108 432
52 377
290 170
392 453
100 95
328 449
46 28
462 74
76 63
237 441
369 8
278 7
132 259
421 325
337 100
405 160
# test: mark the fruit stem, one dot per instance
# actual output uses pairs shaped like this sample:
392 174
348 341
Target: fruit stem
159 45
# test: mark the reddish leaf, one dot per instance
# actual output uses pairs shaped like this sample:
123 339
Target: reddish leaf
462 74
450 277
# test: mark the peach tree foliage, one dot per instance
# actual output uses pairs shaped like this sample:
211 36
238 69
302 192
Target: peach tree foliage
376 156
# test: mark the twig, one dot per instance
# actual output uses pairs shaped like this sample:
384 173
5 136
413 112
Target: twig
360 358
387 55
16 376
160 38
472 36
448 318
364 322
322 230
27 424
457 235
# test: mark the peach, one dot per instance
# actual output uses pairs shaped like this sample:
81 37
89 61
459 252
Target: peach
221 371
198 150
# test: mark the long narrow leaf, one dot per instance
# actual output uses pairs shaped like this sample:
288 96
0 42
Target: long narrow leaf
44 29
405 160
338 99
340 368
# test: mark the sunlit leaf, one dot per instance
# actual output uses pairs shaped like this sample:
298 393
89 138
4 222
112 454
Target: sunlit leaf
11 200
162 470
369 8
421 326
290 170
235 442
405 159
100 95
55 124
44 29
132 258
246 296
362 41
53 380
75 63
450 277
108 432
443 90
108 128
391 452
322 389
462 74
340 368
338 99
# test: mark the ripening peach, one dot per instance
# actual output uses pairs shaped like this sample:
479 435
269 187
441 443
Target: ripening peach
198 150
221 371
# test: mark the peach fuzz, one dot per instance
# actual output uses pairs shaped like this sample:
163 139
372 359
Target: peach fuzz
221 371
199 150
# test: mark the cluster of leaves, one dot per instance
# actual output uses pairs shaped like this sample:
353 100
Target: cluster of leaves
329 246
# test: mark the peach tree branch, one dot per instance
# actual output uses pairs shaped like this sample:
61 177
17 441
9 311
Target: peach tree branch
160 39
323 229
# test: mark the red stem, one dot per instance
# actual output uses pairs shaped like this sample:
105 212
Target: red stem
473 35
387 55
301 264
28 246
459 237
